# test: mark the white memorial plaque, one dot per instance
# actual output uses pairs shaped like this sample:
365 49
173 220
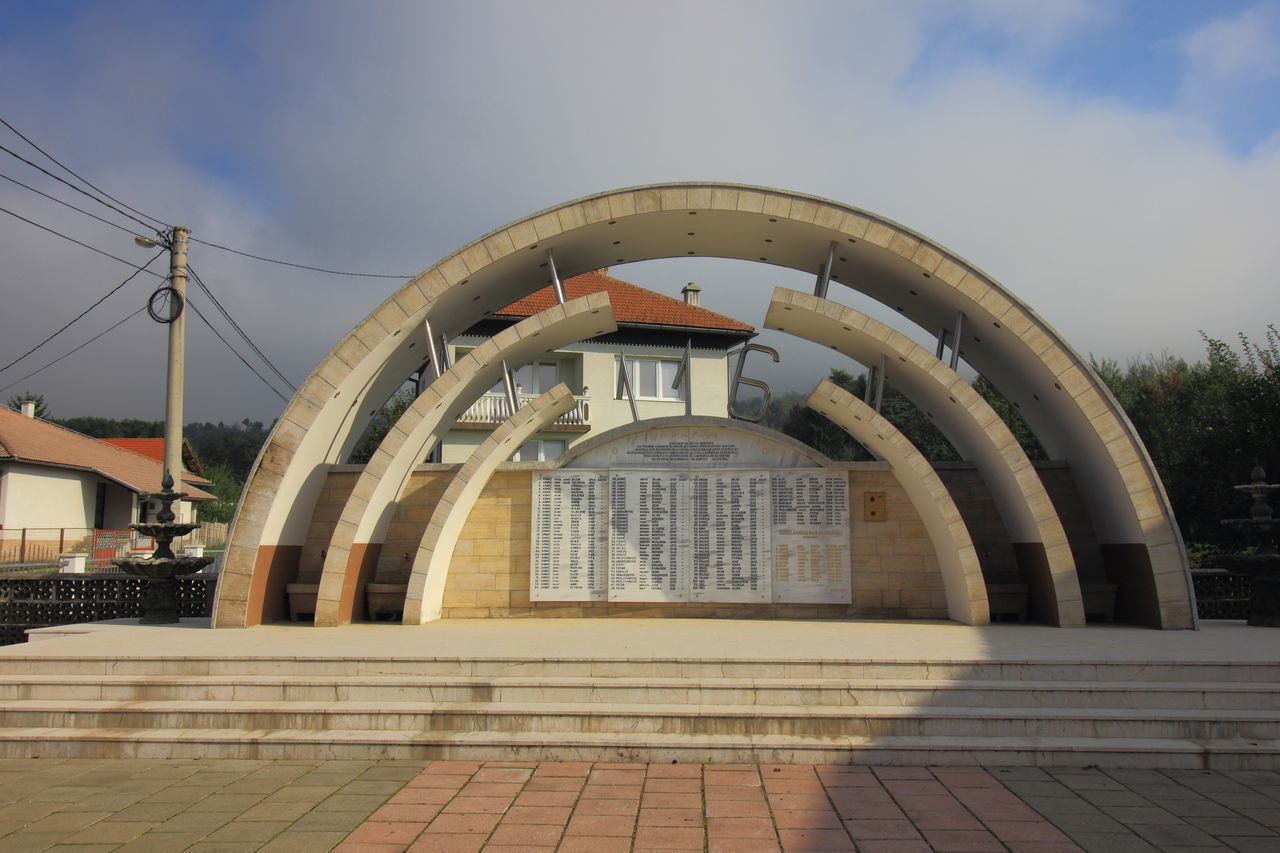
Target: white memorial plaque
810 537
570 537
646 562
691 515
731 562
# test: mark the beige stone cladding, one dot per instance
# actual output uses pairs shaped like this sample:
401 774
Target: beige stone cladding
421 494
895 571
995 552
333 497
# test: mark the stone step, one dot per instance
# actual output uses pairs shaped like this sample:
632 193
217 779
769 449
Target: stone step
758 720
723 691
665 748
1195 672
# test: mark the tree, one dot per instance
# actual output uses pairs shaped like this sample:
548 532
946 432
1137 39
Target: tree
805 425
381 423
1205 426
227 487
42 410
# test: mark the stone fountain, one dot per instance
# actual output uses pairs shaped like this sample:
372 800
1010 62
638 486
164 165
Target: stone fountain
1264 564
162 568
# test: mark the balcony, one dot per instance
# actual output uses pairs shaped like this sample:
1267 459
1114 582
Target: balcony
492 409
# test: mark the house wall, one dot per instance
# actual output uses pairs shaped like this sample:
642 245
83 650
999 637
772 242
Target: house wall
594 367
36 496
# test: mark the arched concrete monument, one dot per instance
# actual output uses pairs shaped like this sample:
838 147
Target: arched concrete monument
1069 408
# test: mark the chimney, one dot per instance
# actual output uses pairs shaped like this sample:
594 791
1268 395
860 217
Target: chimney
28 408
690 293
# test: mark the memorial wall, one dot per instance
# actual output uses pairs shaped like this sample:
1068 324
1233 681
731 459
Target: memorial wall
697 525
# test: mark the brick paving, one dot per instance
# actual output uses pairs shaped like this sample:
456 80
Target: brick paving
228 806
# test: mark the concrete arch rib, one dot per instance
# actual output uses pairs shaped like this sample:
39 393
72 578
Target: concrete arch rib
1063 400
425 596
970 424
352 554
957 559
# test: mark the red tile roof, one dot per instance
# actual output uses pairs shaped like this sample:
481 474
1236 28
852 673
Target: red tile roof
632 305
24 439
153 448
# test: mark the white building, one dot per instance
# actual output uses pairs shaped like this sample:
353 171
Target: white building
653 333
54 478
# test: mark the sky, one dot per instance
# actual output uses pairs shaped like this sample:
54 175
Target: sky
1114 163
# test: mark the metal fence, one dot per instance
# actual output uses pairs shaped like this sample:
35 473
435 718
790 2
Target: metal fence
32 546
1220 594
27 603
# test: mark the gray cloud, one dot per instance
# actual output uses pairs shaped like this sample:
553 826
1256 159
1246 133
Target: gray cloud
383 136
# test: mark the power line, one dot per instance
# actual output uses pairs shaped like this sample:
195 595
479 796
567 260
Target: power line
73 352
72 172
72 206
233 352
77 242
291 264
18 156
200 282
151 226
102 299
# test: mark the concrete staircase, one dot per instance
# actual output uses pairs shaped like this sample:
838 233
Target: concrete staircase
1108 713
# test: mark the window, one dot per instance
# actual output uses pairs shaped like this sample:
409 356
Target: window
651 378
539 450
536 378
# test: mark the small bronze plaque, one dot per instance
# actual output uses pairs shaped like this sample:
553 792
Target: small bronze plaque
873 506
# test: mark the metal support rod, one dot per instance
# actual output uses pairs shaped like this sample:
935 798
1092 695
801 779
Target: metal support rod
879 398
824 273
432 356
509 387
955 340
177 359
868 392
446 355
625 380
942 342
556 285
688 377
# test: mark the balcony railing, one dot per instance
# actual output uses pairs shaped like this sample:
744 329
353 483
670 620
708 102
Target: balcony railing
493 409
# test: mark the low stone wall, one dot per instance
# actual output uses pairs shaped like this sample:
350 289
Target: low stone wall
27 603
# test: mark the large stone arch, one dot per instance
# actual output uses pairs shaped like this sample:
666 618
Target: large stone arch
425 591
1067 405
972 427
958 561
354 547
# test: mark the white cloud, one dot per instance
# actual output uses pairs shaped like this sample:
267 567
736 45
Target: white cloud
1233 47
1232 67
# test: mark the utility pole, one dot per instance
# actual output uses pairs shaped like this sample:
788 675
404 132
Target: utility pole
177 358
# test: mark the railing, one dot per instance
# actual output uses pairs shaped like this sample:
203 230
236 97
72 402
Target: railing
27 546
493 409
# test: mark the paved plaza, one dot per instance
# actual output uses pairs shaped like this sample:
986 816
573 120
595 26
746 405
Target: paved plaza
303 806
